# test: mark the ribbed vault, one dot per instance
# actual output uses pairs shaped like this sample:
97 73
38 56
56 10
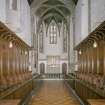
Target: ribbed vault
52 9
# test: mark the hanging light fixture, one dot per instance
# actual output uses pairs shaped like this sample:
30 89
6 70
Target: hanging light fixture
95 44
10 44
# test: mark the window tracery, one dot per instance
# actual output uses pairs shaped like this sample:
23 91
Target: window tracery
53 33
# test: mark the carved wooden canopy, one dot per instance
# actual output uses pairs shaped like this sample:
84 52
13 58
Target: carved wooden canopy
96 36
7 34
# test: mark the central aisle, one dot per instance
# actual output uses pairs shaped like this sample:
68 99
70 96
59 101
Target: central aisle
53 93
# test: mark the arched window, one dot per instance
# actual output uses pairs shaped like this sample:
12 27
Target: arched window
53 32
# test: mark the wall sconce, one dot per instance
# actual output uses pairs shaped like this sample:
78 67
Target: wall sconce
10 44
80 52
26 53
95 44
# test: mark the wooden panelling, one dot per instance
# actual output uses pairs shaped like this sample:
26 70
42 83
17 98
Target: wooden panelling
9 102
96 102
91 60
14 60
94 60
85 92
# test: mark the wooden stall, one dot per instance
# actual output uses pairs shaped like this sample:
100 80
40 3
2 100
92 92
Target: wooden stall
96 102
15 78
91 63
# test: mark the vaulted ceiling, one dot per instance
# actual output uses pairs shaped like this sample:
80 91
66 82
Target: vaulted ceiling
30 1
52 9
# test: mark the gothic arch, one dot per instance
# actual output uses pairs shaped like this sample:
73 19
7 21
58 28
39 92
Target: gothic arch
64 68
42 68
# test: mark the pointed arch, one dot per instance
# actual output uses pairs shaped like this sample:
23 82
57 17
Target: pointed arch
53 18
53 30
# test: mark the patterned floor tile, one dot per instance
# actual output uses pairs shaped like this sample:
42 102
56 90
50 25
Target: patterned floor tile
53 93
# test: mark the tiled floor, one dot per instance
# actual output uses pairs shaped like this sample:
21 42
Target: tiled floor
53 93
